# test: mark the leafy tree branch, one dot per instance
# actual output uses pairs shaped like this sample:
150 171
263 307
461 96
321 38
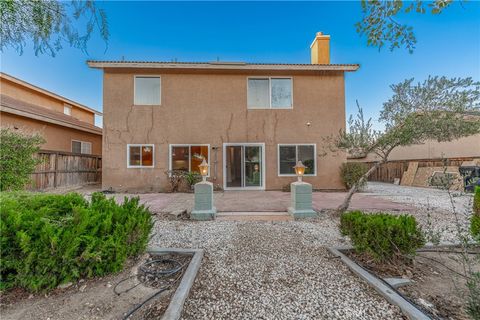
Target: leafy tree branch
49 24
380 21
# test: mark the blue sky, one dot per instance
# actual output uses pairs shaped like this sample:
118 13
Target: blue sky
448 44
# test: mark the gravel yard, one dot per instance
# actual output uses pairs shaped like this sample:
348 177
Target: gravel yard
265 270
434 207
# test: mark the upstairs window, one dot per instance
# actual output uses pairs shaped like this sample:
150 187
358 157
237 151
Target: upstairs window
289 154
67 110
81 147
147 90
140 155
269 93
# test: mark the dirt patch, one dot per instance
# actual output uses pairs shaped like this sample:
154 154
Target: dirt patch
98 298
438 287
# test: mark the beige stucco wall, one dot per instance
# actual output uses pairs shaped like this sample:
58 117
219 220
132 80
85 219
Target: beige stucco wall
58 138
35 97
212 109
460 148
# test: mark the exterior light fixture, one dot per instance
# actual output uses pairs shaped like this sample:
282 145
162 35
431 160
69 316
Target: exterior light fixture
204 169
299 170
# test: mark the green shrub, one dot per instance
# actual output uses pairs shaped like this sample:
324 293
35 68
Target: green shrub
46 239
351 172
381 235
475 220
17 160
476 202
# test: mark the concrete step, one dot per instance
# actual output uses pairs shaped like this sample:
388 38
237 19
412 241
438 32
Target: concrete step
254 216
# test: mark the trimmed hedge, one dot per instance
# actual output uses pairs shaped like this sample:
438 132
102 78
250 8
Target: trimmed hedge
46 239
475 221
476 202
381 235
351 172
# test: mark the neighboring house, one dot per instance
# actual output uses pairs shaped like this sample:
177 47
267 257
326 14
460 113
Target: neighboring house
251 121
65 125
466 147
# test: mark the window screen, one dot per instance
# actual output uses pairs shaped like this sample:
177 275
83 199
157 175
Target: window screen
281 93
147 90
140 156
258 93
290 154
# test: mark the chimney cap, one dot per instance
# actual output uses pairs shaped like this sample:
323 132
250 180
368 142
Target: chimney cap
319 35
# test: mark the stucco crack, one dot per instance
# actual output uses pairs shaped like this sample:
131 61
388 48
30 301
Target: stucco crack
151 126
229 127
275 124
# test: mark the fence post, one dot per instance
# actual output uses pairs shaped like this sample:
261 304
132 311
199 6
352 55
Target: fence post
55 171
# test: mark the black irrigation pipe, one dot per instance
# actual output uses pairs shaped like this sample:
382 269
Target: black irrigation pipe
158 273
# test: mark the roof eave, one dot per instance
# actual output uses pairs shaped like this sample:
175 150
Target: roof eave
207 66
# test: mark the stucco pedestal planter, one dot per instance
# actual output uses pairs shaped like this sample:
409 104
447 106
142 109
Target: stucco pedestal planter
203 208
301 200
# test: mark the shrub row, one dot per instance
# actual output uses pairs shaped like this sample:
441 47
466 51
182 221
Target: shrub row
382 236
46 240
475 222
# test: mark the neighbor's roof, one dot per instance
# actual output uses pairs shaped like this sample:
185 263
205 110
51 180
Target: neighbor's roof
48 93
221 65
31 111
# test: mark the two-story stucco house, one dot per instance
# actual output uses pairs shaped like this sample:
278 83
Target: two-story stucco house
251 121
66 125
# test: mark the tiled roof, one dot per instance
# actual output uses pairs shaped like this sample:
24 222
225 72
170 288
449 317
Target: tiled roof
46 92
14 106
222 65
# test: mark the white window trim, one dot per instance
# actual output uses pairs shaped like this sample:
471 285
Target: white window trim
296 158
135 88
170 147
140 145
270 92
81 143
69 107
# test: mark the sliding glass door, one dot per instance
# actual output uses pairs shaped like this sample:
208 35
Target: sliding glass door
244 166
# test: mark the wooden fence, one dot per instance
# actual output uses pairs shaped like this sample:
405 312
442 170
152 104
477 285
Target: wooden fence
63 169
395 169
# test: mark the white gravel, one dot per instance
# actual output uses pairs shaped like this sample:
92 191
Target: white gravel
443 214
271 270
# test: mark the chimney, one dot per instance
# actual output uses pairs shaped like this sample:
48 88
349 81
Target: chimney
320 49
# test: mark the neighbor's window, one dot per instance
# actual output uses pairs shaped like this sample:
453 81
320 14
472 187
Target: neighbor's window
81 147
67 110
188 157
288 155
140 155
147 90
266 93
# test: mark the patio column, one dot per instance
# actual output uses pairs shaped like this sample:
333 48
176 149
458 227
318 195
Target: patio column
203 208
301 200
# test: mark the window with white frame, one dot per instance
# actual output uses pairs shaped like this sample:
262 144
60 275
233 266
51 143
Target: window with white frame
269 93
140 155
147 90
67 109
188 157
81 147
289 154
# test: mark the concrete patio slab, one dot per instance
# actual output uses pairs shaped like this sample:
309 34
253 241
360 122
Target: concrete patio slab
254 216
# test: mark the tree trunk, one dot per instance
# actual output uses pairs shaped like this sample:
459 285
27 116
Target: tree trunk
346 202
